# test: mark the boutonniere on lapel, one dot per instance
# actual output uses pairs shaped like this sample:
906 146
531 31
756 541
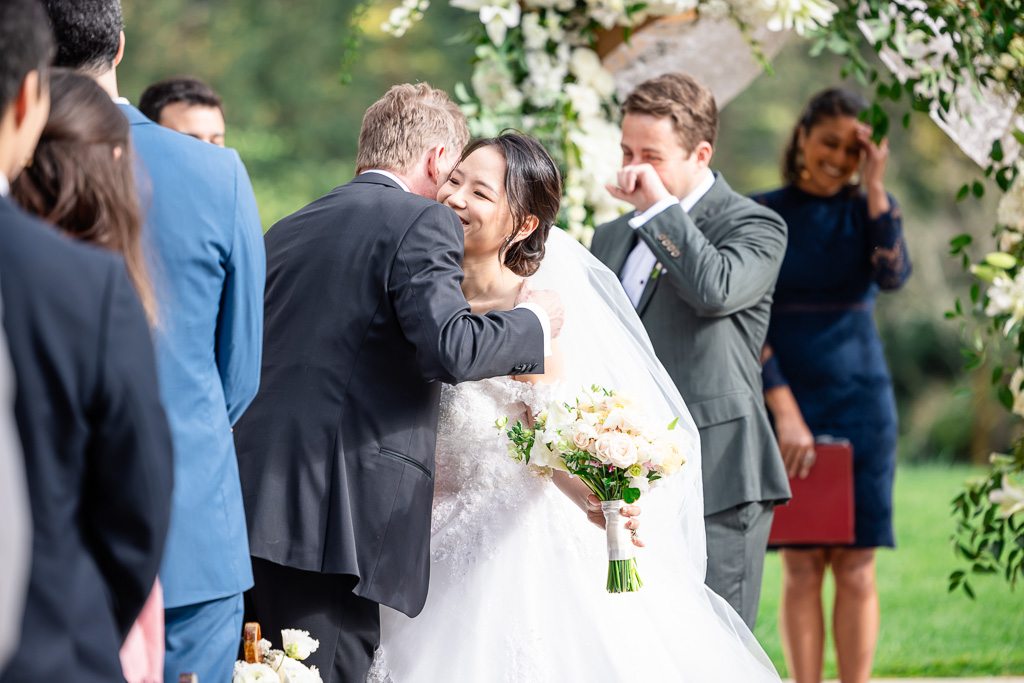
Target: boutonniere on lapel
656 271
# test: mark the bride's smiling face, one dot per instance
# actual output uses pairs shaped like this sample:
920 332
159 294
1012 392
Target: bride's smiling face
475 191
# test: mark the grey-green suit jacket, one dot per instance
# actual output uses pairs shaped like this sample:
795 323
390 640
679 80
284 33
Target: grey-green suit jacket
707 315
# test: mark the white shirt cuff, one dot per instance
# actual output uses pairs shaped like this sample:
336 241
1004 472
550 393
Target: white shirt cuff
545 324
640 219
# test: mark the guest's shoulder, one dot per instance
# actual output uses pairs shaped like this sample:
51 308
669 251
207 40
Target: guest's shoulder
771 198
40 257
742 209
161 148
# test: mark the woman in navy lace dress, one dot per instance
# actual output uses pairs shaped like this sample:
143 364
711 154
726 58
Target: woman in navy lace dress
825 373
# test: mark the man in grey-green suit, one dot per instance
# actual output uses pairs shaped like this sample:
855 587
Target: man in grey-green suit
699 262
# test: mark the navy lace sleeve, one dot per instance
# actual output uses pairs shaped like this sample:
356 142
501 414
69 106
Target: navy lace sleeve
771 372
890 262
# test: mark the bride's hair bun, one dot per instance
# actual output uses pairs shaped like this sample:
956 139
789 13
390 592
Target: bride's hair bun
533 186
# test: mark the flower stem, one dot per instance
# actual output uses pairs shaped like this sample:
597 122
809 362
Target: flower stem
623 576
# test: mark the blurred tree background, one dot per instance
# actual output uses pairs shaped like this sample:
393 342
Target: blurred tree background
277 63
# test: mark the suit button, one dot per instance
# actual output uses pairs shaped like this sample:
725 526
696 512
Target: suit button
666 243
675 254
662 237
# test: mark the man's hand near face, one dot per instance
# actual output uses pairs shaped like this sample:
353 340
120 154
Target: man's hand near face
639 185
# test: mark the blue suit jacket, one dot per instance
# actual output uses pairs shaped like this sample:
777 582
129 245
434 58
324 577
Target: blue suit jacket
209 268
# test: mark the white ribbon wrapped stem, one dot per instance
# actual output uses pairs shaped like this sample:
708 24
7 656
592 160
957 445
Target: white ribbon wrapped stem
620 542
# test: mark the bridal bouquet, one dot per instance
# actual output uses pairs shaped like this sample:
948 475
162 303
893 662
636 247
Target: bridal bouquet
266 665
602 437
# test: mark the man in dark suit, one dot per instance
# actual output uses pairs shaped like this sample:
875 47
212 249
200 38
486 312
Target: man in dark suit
364 318
203 228
700 262
96 443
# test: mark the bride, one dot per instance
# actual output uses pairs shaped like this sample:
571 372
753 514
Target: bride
517 577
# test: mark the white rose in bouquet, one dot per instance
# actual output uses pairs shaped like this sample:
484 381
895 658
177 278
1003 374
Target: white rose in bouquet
583 435
624 420
671 450
298 644
253 673
622 451
603 447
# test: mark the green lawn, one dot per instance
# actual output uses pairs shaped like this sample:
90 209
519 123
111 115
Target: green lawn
926 631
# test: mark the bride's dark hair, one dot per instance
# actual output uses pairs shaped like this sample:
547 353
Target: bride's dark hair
533 186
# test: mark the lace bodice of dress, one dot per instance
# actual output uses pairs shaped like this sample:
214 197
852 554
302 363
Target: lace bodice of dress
477 485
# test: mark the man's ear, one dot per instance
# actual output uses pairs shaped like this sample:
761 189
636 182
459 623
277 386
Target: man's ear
434 156
27 96
704 153
120 50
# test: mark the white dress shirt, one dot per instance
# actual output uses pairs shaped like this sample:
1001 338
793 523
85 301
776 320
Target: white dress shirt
5 185
388 174
640 264
15 515
541 314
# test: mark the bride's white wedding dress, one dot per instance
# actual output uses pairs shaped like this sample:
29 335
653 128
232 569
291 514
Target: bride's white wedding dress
517 578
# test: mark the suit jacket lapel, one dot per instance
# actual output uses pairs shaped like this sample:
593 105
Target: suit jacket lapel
652 284
619 247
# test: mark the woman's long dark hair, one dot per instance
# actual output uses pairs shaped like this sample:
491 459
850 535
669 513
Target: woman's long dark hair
81 178
831 103
533 187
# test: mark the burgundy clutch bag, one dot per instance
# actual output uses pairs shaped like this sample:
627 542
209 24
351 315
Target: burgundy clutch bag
821 510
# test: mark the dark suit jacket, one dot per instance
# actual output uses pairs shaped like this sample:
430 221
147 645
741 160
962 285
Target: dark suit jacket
97 450
364 318
707 315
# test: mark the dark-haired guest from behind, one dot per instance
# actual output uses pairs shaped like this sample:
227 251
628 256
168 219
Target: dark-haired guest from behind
97 449
187 105
824 369
81 178
204 230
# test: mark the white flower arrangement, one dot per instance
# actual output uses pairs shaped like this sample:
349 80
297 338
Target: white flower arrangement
281 666
1010 213
535 70
1009 497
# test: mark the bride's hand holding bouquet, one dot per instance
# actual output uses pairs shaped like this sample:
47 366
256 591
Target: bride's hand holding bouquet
602 438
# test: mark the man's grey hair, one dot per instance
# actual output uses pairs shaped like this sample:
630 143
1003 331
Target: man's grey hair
410 119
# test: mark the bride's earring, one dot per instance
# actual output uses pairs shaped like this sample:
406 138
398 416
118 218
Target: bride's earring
802 165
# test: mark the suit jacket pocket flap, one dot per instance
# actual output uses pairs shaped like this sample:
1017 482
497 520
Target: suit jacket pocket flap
721 409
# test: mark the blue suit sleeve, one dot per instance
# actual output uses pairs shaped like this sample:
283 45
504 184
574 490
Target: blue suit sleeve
240 322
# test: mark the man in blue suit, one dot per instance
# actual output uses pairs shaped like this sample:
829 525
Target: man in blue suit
203 229
97 451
